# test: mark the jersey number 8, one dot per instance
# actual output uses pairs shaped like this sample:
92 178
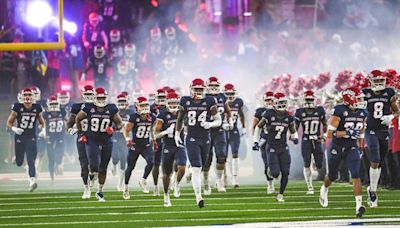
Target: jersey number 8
192 117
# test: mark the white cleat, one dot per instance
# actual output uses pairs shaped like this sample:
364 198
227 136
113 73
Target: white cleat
207 189
143 185
323 196
114 169
372 198
235 182
86 193
280 198
270 189
156 191
177 190
100 197
200 201
220 187
125 195
167 200
310 191
33 186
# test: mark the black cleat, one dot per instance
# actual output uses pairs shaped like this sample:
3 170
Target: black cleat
360 212
201 203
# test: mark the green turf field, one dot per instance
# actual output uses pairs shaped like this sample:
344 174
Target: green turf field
51 208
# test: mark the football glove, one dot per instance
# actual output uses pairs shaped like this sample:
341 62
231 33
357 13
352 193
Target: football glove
42 133
17 130
352 134
244 132
206 125
387 119
178 140
82 139
72 131
256 147
109 130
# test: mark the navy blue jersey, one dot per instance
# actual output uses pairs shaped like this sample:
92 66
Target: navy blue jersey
277 127
197 111
378 105
348 120
55 124
125 115
220 100
99 65
310 121
156 109
27 118
75 108
141 128
99 119
235 106
67 107
168 119
259 114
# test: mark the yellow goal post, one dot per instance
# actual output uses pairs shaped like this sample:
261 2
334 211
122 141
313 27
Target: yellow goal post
41 45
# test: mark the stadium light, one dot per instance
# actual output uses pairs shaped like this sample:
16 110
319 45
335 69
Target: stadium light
68 26
39 13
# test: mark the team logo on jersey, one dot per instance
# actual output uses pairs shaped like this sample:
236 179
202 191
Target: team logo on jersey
303 114
286 119
192 139
168 116
21 109
368 95
204 103
271 150
92 110
137 120
334 152
107 112
385 94
315 113
362 114
187 102
34 110
273 118
345 113
166 151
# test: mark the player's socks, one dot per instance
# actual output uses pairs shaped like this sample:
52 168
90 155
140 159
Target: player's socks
207 188
374 175
270 186
220 185
323 196
235 166
196 180
32 184
358 201
167 200
360 209
121 177
156 191
100 187
308 179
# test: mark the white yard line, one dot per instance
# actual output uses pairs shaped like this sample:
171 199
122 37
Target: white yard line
375 218
148 206
178 212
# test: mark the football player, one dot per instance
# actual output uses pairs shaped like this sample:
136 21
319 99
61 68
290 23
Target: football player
40 141
268 103
27 114
232 132
201 114
156 108
119 152
218 137
140 124
382 108
278 122
311 118
87 94
64 98
164 128
55 128
346 128
99 62
100 115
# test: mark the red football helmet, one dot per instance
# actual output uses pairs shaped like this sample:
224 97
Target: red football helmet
280 102
213 85
99 51
53 104
197 88
122 101
268 99
130 50
123 68
36 94
378 80
100 97
27 96
142 105
170 33
87 94
309 99
115 35
230 92
155 34
63 97
160 97
172 102
354 98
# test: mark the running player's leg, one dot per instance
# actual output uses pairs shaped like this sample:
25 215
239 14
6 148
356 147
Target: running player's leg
353 162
